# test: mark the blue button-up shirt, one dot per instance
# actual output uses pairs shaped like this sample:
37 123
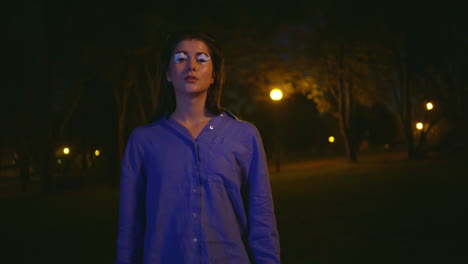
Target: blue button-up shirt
206 200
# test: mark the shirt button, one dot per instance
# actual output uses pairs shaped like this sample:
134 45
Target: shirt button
221 114
194 215
194 190
195 240
211 127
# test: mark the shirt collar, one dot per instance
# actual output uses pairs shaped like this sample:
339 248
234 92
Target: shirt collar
210 130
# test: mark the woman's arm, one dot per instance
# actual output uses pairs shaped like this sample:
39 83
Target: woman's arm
132 204
263 236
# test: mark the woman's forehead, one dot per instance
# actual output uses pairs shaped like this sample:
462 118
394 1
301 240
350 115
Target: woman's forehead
193 46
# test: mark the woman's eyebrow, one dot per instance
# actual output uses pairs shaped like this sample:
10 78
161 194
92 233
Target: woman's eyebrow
200 53
197 54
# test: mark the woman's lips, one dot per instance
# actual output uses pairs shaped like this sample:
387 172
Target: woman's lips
190 79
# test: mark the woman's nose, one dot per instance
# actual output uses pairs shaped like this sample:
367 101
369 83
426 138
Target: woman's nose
191 65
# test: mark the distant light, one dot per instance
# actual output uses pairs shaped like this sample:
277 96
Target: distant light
429 106
331 139
97 152
59 161
387 146
419 126
276 94
66 151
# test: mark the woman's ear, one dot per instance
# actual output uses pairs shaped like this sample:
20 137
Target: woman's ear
168 77
213 78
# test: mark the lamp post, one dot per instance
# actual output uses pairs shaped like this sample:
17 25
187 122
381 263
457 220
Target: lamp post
331 142
276 95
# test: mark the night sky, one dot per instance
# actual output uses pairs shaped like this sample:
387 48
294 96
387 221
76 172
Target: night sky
58 50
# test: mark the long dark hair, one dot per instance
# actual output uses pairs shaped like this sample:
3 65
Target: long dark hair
166 99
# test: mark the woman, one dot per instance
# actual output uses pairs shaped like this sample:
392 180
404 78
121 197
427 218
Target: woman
195 185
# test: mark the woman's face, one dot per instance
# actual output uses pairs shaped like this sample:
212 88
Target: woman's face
191 68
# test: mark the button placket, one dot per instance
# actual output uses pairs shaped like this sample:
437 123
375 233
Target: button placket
196 198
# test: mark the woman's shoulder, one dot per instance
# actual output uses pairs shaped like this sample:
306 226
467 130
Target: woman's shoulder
147 130
240 126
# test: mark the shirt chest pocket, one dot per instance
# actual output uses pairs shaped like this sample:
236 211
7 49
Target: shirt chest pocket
227 163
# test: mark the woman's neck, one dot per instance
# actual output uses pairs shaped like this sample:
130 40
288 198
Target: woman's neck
191 109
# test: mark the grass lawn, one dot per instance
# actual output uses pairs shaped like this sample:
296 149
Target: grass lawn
381 210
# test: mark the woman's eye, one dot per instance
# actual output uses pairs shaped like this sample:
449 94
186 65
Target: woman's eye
180 57
203 58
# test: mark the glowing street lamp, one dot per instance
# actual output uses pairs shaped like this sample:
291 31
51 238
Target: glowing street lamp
66 151
429 106
276 94
419 126
97 153
331 139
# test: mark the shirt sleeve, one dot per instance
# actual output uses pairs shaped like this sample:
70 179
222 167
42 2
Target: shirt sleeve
131 227
263 238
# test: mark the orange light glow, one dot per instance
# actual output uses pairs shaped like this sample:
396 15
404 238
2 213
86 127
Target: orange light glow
276 94
419 126
429 106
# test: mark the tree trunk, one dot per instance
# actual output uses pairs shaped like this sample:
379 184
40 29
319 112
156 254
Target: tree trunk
408 122
24 163
350 147
348 124
46 172
410 149
121 98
